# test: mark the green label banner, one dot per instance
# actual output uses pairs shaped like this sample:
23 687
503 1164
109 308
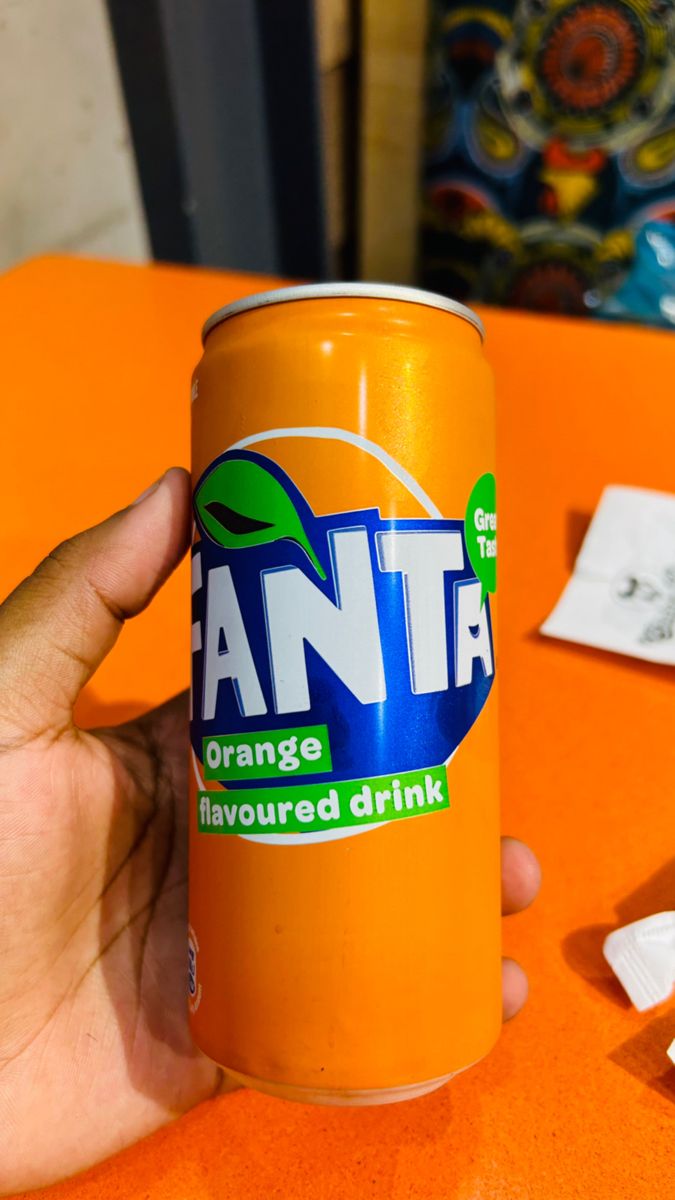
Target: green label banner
268 754
315 807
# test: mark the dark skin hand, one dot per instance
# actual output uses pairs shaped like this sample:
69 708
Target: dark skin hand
94 1044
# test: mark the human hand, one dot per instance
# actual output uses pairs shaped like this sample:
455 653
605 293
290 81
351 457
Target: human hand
95 1050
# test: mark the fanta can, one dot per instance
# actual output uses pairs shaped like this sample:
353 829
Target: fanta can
344 937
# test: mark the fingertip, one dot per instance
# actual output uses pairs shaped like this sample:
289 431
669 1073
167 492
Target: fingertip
521 875
177 477
178 480
515 988
175 482
164 513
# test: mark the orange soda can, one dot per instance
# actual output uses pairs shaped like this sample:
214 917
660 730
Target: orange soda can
344 939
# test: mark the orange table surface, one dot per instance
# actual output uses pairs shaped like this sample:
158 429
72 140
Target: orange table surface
578 1099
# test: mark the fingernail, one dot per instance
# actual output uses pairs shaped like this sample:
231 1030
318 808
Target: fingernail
148 491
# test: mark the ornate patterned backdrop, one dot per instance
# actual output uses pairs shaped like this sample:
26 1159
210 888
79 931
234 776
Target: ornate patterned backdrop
550 141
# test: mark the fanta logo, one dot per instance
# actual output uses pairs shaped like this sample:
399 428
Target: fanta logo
377 628
194 986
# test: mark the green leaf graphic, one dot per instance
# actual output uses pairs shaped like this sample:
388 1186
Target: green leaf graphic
240 504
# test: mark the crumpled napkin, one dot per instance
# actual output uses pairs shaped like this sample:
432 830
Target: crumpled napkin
621 595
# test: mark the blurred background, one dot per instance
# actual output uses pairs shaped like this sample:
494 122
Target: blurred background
518 152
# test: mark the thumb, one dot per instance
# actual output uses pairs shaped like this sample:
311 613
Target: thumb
59 624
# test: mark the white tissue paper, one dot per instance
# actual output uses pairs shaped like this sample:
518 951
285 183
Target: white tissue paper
621 595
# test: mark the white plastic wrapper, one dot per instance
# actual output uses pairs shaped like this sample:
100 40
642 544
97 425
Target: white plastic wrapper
621 595
642 956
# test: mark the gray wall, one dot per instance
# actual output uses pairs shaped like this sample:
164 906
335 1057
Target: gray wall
67 175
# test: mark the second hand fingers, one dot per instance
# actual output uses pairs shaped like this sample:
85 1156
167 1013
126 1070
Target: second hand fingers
514 988
521 876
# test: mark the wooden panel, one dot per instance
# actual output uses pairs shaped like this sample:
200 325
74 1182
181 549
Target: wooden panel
392 74
334 32
334 101
335 50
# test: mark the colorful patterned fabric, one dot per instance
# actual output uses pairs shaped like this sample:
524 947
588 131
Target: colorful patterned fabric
550 142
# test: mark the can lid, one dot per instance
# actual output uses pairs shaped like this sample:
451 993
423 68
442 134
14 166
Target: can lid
329 291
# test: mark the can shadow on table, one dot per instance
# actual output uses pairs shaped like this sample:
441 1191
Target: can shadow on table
644 1054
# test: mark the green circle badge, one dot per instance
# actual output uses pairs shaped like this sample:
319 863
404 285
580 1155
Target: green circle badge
480 533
